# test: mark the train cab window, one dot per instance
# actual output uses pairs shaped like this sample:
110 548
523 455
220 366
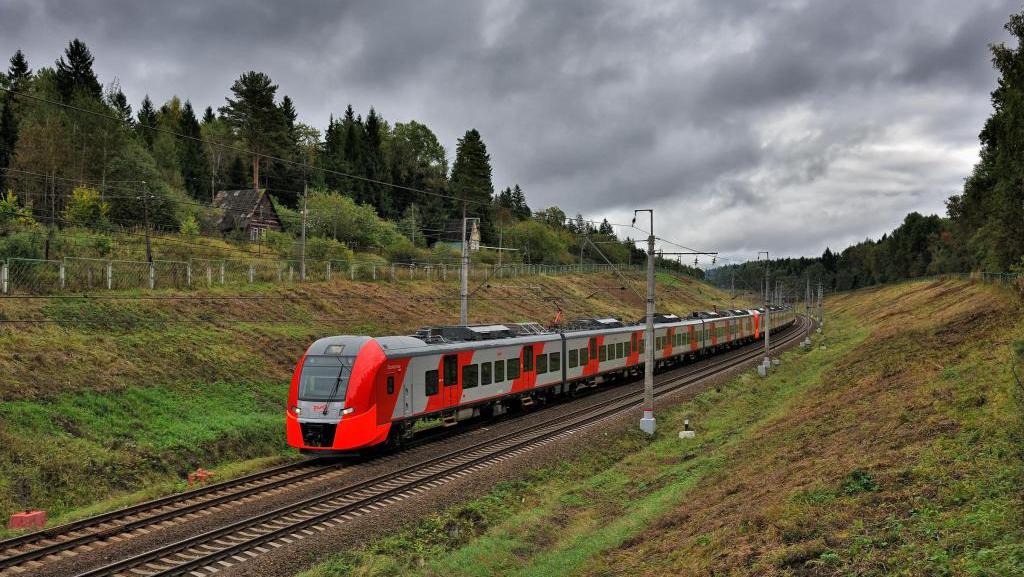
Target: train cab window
619 350
513 369
469 376
485 374
583 357
602 353
574 359
391 384
542 364
451 369
555 362
593 347
430 383
499 371
527 359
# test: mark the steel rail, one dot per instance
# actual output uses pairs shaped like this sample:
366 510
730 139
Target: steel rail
321 511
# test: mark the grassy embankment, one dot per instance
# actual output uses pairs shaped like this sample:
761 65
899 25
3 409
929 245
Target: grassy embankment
895 451
119 398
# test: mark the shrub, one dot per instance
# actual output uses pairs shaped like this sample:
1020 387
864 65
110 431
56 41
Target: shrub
86 208
189 227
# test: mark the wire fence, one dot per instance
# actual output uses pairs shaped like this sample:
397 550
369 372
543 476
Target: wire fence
83 275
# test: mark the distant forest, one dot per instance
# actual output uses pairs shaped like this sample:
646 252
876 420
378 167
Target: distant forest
983 229
75 154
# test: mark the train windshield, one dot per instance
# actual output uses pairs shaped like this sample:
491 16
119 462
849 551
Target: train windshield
325 378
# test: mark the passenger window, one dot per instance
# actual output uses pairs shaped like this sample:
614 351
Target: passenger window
451 369
574 359
555 361
619 348
643 345
602 354
485 374
527 359
430 383
513 369
499 371
542 364
583 357
593 347
469 376
391 385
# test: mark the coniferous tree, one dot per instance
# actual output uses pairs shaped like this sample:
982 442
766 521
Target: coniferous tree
471 181
123 110
74 72
18 72
146 122
195 167
208 116
17 77
238 176
255 118
520 209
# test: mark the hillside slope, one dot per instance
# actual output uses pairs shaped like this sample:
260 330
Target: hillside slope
893 450
107 394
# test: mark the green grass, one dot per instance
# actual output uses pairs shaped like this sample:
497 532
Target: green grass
88 447
558 520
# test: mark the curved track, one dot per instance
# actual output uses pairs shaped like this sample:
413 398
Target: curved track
238 542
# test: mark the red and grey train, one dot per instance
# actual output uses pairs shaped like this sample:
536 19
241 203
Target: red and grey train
356 392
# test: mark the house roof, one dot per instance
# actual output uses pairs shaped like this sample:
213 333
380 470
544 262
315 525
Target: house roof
238 207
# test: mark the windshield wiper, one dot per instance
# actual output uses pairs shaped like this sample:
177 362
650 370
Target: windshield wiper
337 385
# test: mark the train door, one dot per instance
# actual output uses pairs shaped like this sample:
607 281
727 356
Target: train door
406 399
451 391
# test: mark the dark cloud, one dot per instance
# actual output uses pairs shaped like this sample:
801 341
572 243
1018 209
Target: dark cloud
788 125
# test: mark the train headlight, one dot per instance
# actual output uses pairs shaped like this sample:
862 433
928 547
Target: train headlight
297 410
347 411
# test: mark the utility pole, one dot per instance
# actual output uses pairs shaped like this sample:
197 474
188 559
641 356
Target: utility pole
647 421
302 249
464 290
821 308
145 217
767 311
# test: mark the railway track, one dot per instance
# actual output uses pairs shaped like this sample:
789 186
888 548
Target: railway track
243 540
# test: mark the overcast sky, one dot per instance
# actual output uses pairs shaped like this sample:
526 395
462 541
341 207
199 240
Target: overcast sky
747 124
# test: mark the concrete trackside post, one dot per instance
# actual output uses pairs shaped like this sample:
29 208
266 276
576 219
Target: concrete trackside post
62 275
152 276
4 272
110 275
328 270
252 273
209 276
188 274
222 273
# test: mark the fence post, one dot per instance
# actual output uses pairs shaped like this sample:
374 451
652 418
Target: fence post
62 275
291 272
209 276
110 275
392 272
352 270
152 276
374 272
252 273
444 271
222 273
4 271
188 273
328 270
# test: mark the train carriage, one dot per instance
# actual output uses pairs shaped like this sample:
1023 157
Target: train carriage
355 392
